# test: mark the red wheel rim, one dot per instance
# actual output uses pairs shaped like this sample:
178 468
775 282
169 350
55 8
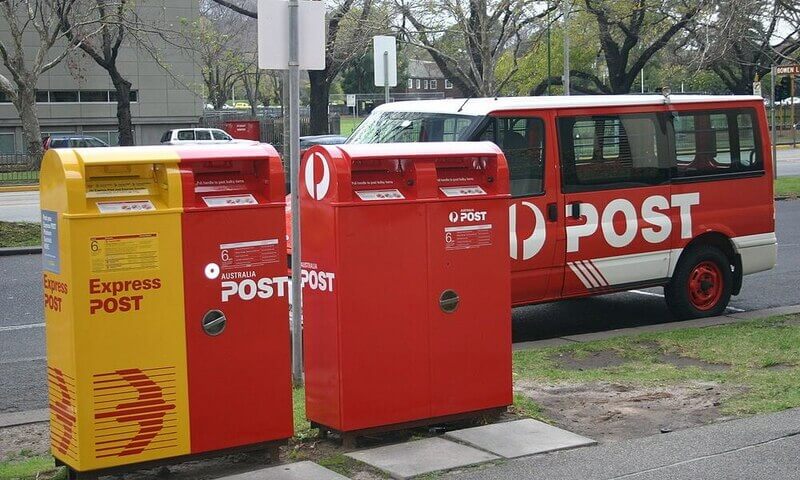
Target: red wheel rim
705 285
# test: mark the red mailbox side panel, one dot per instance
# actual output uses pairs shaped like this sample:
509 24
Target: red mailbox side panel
383 324
234 263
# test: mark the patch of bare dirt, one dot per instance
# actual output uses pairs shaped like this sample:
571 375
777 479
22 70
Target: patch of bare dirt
683 362
612 412
26 440
602 359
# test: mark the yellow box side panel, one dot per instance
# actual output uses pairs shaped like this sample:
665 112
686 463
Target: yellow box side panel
130 339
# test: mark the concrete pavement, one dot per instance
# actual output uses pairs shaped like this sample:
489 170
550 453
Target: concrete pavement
760 447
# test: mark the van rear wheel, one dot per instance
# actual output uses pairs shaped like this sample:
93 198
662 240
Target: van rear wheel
701 284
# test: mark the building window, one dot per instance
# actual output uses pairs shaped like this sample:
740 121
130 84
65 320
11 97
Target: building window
7 143
426 84
410 83
448 84
4 98
419 84
434 84
614 151
94 96
64 96
80 96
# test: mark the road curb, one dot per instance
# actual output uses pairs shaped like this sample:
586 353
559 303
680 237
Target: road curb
5 252
19 188
659 327
27 417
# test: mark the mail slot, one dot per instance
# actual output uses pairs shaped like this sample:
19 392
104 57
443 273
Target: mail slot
237 330
406 283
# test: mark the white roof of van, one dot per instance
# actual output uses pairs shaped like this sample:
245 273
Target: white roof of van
484 106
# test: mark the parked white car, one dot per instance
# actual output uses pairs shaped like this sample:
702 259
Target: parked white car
202 136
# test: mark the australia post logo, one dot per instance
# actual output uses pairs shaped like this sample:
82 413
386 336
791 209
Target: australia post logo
651 220
467 215
317 176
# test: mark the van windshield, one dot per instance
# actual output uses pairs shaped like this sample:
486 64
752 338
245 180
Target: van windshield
402 127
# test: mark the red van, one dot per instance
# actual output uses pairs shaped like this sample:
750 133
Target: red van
612 193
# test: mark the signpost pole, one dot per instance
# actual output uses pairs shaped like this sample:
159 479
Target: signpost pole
386 77
294 172
774 128
792 105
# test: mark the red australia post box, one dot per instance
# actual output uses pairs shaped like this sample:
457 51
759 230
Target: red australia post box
236 290
244 129
406 283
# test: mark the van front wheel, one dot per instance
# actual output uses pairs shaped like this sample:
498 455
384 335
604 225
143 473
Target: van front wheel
701 284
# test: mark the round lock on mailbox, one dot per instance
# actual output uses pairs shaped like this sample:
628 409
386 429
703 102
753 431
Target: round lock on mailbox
214 322
448 301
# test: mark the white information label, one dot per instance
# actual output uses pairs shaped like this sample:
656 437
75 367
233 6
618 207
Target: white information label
467 237
230 200
465 191
372 195
246 255
125 207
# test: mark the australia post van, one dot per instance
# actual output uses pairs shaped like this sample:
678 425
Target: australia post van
612 193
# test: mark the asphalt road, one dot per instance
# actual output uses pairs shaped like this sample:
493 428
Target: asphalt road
22 347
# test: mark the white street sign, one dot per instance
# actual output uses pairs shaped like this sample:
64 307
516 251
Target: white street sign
383 63
757 88
351 100
273 34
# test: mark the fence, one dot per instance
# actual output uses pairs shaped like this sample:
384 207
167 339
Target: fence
19 169
271 127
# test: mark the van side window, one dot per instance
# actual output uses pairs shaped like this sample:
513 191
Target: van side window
203 135
716 142
602 152
522 141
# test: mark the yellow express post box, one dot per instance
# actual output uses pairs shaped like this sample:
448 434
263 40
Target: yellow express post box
114 310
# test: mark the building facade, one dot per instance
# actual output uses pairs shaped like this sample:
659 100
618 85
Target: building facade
77 97
425 77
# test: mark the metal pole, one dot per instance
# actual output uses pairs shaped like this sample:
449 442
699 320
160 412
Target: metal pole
642 81
386 77
566 47
549 69
792 106
294 171
774 127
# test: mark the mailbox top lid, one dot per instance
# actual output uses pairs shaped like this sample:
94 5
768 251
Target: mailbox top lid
423 150
245 151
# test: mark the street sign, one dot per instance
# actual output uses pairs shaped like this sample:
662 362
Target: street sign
757 88
384 49
787 70
351 100
273 35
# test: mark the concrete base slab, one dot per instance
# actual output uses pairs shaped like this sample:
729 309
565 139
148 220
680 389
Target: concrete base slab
520 438
24 418
406 460
291 471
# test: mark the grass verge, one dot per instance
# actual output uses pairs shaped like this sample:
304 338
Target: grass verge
787 187
347 124
38 468
763 356
18 234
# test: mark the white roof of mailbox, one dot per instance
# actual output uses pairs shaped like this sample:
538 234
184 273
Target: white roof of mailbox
484 106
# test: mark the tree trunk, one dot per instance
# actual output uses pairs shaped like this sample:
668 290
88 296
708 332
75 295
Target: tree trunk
320 91
123 88
25 104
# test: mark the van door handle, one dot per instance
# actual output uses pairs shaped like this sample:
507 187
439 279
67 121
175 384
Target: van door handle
552 212
576 210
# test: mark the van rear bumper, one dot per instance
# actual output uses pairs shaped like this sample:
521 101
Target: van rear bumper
758 252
